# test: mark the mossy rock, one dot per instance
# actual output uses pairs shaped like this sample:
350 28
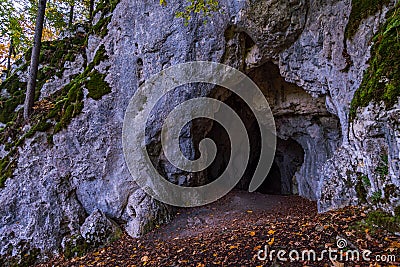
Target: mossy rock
75 246
106 8
25 258
101 55
381 81
361 10
61 106
7 166
97 86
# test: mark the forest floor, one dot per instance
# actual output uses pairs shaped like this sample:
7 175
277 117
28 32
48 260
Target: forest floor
238 229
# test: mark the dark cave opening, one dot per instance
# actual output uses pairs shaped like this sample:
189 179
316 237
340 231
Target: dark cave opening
272 184
307 135
289 154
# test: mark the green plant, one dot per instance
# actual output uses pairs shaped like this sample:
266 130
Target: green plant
383 166
205 8
365 180
383 220
376 197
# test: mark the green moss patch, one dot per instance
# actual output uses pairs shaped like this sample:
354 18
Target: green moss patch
101 55
105 7
16 89
97 86
380 220
76 246
53 56
55 112
381 81
7 166
360 10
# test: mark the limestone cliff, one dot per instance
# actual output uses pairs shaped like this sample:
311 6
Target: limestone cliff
64 176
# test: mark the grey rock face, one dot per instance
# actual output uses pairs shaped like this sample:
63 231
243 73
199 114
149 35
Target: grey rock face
39 208
98 230
366 170
55 188
53 85
273 25
317 63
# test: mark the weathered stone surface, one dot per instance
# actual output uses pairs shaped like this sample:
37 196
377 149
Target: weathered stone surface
273 25
143 213
366 170
325 64
55 187
98 230
53 85
40 207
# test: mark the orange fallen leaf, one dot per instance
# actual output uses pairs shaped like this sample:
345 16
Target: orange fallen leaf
395 244
271 232
257 248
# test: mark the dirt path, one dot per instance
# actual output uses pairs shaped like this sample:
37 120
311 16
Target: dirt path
235 207
233 231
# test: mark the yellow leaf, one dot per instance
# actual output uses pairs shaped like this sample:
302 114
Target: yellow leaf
271 232
257 248
395 244
232 247
271 241
249 211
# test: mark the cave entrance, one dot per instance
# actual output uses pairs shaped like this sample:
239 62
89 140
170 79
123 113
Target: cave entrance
289 154
307 135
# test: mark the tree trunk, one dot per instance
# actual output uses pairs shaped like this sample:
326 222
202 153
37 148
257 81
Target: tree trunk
91 10
37 42
10 52
71 16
